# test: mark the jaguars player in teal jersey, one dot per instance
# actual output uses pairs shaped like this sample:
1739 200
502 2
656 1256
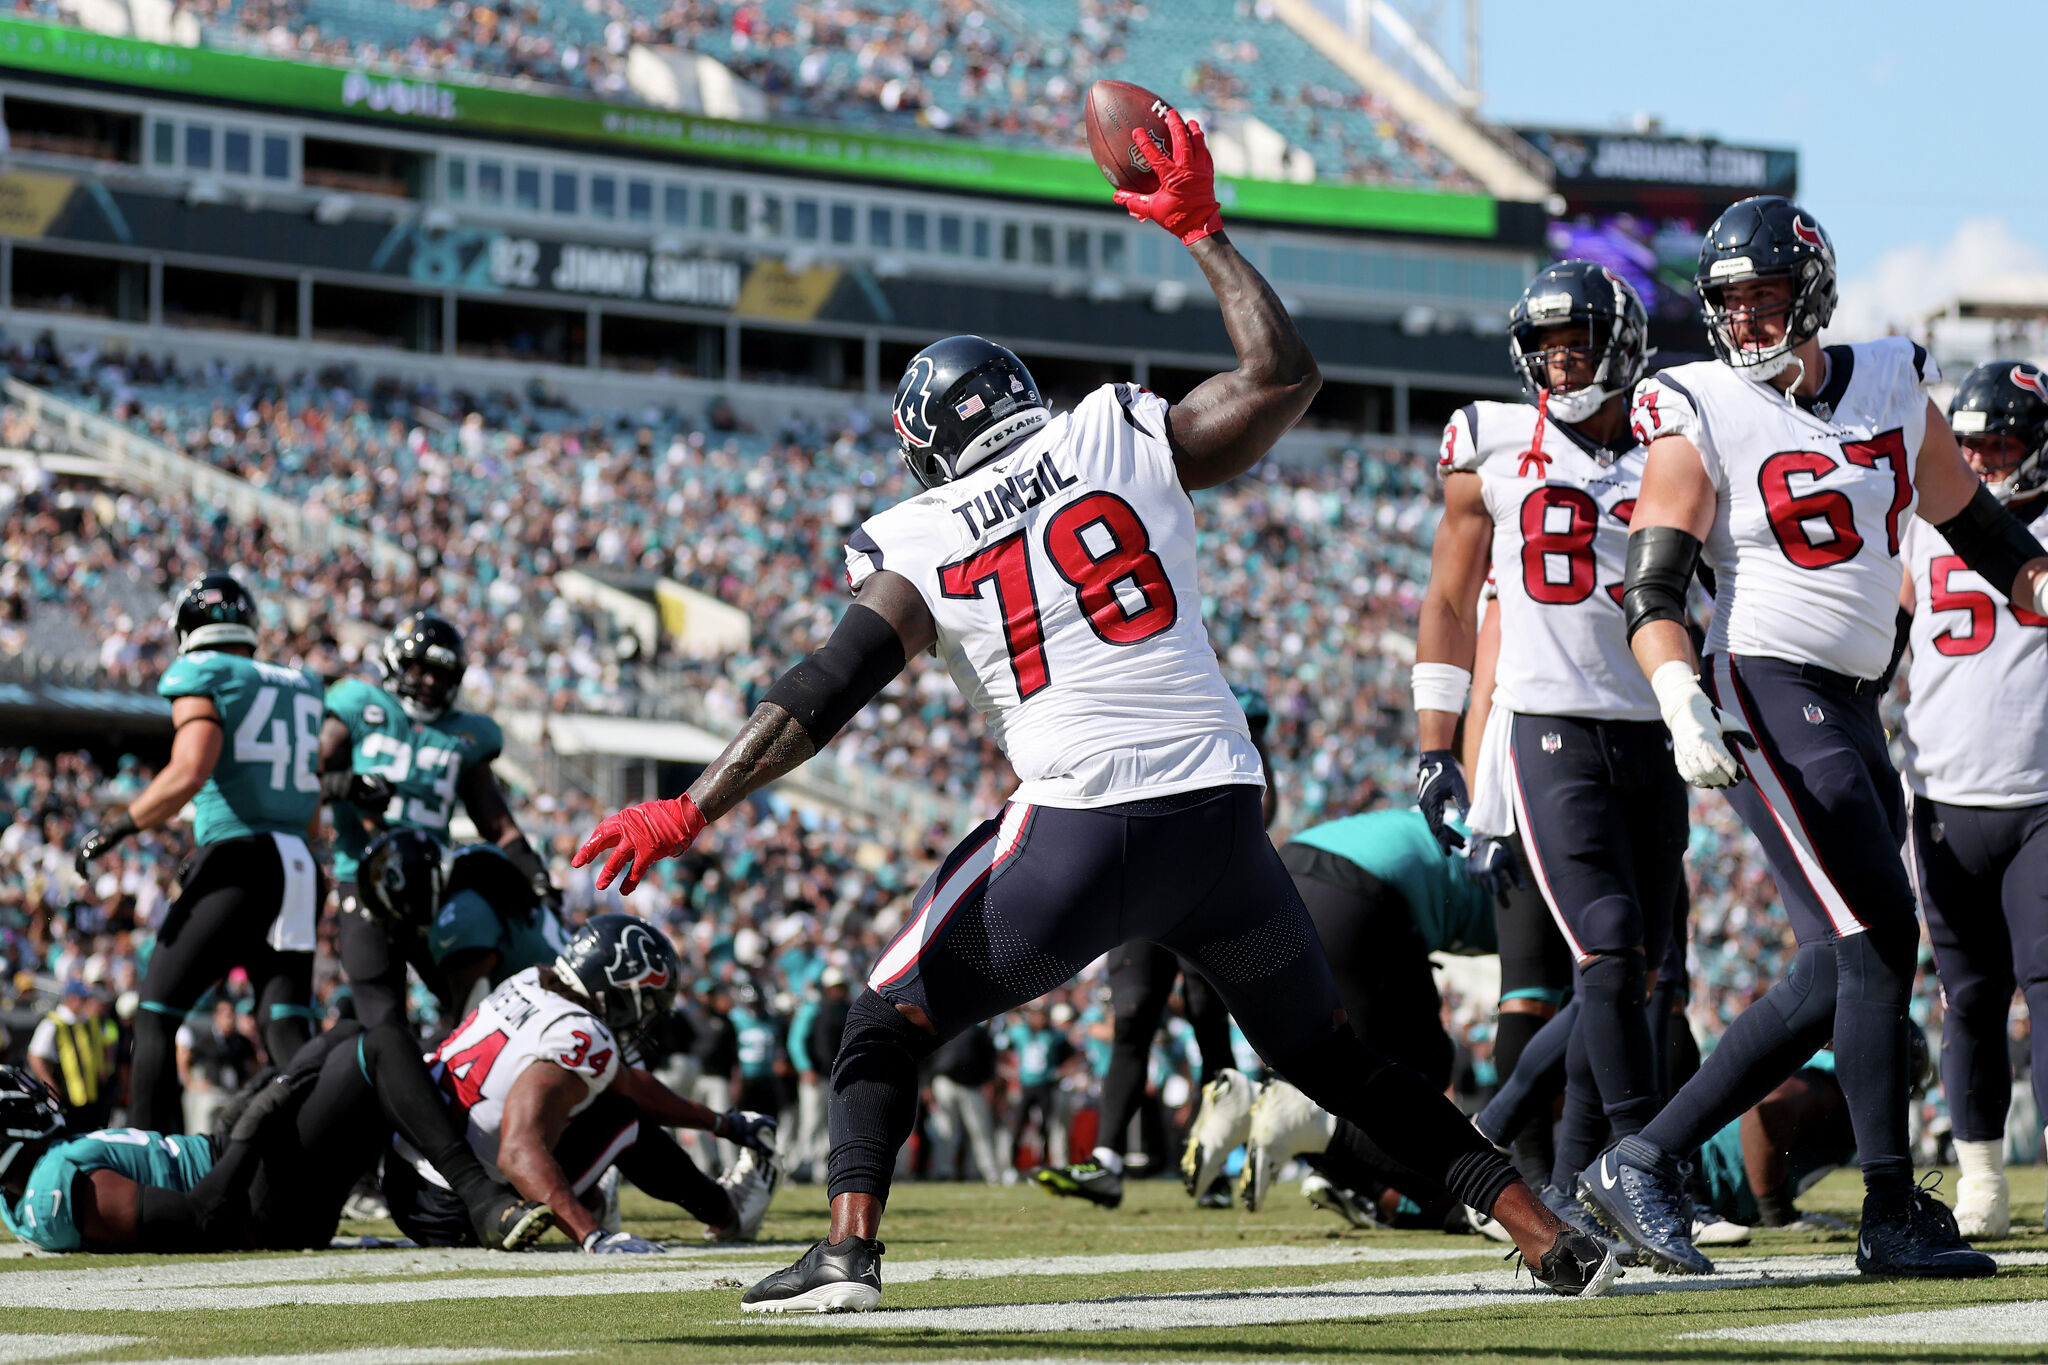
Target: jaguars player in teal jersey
245 743
399 756
465 922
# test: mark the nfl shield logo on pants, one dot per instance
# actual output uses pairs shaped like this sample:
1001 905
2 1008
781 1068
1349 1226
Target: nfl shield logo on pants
1814 715
1552 742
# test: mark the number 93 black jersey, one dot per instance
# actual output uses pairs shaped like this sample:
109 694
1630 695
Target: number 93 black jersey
1061 576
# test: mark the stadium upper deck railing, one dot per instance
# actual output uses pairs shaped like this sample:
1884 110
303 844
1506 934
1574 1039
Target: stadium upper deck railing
159 465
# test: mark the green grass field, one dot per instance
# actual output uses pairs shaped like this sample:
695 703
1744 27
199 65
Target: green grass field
1013 1274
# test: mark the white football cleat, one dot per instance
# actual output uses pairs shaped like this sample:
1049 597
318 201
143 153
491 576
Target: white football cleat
1285 1124
1221 1125
1487 1226
750 1183
1352 1207
607 1213
1718 1232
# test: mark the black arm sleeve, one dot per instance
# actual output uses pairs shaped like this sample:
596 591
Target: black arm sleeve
828 688
1661 560
1991 540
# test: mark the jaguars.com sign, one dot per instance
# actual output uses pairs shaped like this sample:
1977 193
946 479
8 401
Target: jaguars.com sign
1586 159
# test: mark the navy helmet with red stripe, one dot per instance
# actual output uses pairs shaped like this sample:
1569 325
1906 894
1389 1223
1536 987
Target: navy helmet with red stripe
1764 237
960 402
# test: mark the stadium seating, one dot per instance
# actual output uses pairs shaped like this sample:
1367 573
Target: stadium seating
976 68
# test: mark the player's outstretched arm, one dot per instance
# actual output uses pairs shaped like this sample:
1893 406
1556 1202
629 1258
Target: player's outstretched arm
195 749
536 1111
659 1104
1989 538
887 623
1229 422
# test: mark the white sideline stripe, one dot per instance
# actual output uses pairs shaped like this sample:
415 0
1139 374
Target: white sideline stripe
369 1355
1393 1296
1986 1324
270 1282
26 1346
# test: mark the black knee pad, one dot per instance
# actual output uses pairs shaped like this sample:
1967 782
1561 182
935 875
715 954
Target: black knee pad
872 1020
874 1095
1619 979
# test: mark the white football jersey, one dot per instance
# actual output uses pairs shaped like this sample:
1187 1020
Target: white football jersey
1977 718
1560 544
518 1024
1061 575
1814 497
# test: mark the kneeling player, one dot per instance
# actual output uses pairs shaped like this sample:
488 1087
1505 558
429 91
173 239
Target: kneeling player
536 1072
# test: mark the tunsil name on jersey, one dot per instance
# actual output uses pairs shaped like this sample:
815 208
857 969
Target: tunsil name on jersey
1013 496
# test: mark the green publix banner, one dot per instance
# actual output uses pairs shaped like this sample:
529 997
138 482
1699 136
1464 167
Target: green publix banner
312 88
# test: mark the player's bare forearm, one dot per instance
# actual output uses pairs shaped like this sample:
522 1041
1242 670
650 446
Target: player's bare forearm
536 1174
1661 642
1228 423
771 744
659 1104
536 1112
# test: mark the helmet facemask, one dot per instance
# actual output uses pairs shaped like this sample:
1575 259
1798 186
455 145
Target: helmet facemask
1597 351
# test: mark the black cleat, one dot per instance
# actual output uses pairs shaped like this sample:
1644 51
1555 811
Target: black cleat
1914 1235
1573 1215
1576 1266
1083 1180
832 1277
515 1225
1638 1193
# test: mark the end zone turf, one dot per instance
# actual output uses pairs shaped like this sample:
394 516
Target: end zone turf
1010 1274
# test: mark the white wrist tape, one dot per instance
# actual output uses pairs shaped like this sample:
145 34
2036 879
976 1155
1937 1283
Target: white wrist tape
2041 595
1675 685
1441 687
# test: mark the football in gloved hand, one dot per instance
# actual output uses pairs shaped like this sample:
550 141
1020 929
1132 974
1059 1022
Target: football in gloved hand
1115 110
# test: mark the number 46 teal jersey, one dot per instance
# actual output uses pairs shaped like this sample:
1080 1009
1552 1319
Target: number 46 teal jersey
424 762
267 779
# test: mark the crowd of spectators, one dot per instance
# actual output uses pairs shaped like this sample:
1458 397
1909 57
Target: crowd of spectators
1312 580
984 70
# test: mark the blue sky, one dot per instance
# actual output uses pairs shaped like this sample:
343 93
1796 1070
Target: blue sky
1909 118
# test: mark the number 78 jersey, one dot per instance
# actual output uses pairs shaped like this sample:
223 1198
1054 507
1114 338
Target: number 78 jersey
1813 498
1061 577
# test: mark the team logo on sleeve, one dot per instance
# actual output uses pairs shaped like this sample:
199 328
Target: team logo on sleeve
2030 379
913 411
637 961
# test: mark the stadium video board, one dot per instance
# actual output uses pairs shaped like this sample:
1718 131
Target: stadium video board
1639 203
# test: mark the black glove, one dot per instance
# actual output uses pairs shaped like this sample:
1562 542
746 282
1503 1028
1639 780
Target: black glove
112 831
1438 785
367 792
1493 866
748 1129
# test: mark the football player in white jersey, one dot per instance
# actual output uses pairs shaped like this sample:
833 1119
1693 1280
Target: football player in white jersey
1977 760
1543 494
1051 564
549 1100
1794 470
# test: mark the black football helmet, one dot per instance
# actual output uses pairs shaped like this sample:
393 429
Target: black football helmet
400 879
1581 294
484 869
1767 237
423 665
29 1112
2006 398
214 611
960 402
624 968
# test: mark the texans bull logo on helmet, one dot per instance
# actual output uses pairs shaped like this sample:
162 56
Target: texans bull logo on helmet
913 410
2030 379
637 960
1807 233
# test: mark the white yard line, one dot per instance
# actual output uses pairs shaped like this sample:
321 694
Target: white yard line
369 1355
1986 1324
17 1348
1390 1296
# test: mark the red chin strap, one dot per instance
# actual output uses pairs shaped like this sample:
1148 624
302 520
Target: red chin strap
1533 459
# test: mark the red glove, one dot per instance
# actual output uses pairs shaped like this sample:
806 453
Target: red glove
1185 202
640 835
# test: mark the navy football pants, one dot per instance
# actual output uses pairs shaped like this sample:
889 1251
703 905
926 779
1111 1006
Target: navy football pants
1984 884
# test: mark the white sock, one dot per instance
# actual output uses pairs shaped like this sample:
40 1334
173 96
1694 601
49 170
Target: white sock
1982 1160
1113 1162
